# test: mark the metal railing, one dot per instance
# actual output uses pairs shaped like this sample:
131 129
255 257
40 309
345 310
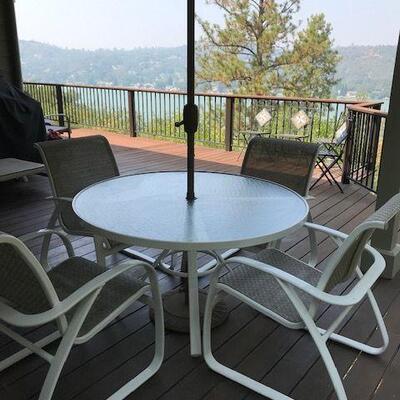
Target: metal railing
223 118
148 112
362 159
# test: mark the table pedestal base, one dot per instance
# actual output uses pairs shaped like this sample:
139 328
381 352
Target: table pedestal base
176 311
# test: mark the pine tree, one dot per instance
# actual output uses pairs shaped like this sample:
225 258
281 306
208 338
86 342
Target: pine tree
259 50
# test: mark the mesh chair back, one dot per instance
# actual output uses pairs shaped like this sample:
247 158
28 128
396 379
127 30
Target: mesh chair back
343 265
19 286
73 165
287 162
341 134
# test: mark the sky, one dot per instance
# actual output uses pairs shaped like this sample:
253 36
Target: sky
92 24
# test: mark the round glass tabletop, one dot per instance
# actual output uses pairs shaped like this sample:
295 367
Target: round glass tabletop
151 210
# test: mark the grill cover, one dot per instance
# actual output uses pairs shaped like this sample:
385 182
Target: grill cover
21 123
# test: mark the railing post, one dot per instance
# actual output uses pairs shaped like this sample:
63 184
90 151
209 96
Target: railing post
375 134
60 105
348 148
132 113
229 115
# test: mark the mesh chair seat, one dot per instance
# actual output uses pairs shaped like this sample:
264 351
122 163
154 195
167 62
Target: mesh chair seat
264 289
326 150
73 273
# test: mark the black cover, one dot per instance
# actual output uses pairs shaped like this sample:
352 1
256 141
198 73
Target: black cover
21 123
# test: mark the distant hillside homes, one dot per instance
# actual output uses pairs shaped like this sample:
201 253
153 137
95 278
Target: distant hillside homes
365 71
153 67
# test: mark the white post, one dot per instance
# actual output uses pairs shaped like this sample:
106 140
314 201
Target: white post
389 177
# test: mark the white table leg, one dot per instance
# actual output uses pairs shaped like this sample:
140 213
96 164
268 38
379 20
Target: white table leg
194 313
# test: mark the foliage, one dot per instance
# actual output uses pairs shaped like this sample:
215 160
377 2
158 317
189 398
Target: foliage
259 51
312 72
365 70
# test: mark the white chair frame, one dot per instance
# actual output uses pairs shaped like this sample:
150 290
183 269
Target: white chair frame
81 301
291 284
102 245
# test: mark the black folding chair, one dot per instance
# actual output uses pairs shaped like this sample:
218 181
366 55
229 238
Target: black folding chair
330 156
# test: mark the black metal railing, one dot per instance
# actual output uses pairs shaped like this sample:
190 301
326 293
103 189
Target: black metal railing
223 118
362 159
148 112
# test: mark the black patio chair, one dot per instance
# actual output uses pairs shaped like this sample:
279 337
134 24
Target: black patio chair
331 155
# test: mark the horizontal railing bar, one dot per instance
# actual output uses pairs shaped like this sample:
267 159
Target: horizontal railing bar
365 108
208 94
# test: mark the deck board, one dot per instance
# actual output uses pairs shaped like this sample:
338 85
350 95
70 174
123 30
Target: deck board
252 343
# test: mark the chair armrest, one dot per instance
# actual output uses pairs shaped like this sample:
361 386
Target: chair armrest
45 232
293 136
254 133
16 318
324 229
65 116
60 199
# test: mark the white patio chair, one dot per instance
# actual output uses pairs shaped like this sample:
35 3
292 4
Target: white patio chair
290 291
79 296
73 165
287 162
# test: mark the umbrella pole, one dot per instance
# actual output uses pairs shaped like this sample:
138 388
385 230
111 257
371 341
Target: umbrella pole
190 117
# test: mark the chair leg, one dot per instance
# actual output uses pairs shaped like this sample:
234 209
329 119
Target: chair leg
222 369
100 253
64 348
362 346
313 259
210 265
319 340
329 363
22 354
44 252
321 166
329 173
155 365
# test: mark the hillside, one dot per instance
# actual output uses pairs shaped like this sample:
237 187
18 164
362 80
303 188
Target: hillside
158 67
365 70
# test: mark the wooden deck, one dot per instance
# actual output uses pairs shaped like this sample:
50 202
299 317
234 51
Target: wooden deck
287 360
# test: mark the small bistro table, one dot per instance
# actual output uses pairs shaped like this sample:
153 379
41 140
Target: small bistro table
230 211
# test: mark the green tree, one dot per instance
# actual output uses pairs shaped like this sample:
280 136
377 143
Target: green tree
312 71
259 50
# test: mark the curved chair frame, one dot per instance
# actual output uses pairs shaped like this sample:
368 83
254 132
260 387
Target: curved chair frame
100 150
80 302
292 285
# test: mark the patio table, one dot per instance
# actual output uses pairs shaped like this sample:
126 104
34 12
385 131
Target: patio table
231 211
